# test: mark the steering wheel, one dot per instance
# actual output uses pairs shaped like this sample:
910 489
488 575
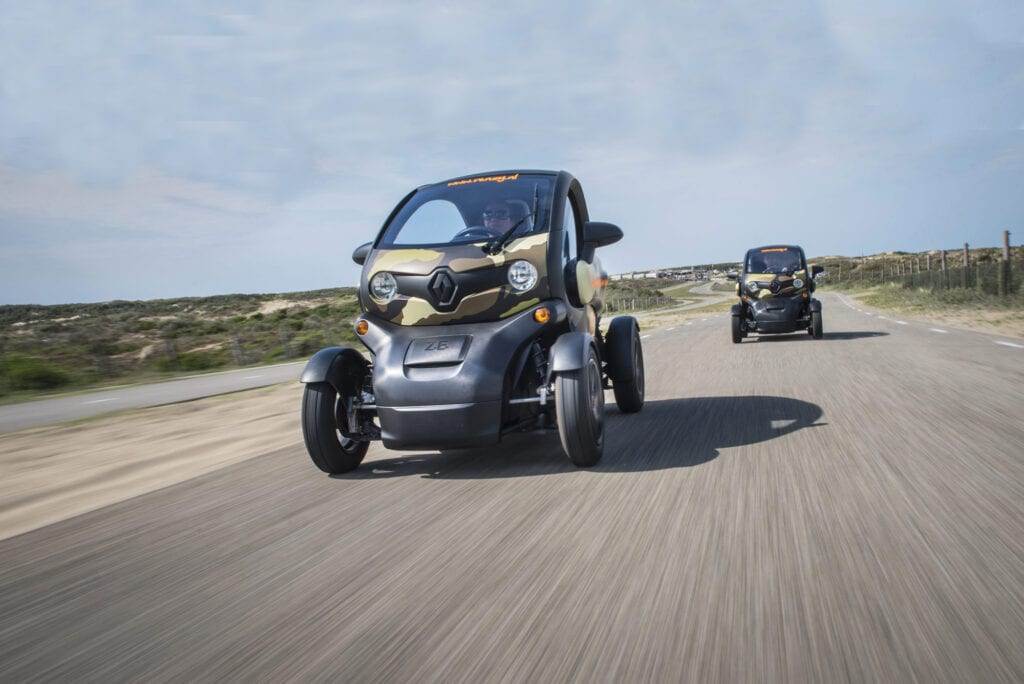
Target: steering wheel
475 233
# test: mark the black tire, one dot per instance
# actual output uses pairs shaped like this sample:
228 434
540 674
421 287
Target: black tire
330 451
737 330
579 407
816 330
626 361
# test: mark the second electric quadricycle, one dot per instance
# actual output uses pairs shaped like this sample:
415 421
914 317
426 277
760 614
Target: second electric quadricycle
481 303
775 288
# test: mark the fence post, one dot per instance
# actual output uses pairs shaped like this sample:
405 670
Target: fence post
285 343
1005 268
966 265
170 350
944 280
236 351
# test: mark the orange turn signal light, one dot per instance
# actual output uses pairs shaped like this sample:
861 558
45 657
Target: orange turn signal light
362 326
542 315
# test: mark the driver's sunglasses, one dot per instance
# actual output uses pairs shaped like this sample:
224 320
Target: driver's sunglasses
497 214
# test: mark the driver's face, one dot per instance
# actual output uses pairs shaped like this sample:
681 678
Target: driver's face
497 217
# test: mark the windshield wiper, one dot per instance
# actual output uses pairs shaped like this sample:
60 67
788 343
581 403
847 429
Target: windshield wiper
496 246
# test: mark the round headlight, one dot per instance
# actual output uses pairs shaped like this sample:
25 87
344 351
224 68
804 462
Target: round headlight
522 275
797 283
752 285
383 287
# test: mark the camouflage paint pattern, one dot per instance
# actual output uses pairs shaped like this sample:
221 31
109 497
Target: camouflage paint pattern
488 305
786 281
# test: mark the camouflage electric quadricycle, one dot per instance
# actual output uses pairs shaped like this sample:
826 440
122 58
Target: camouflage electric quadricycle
481 300
775 289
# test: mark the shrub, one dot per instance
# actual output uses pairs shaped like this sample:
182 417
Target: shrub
310 343
192 361
215 328
30 373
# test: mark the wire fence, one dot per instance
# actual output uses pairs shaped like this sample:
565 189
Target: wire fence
990 271
619 304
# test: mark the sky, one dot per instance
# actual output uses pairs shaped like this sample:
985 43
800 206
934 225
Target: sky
172 149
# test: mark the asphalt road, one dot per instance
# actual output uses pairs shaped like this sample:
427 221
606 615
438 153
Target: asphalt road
782 510
85 405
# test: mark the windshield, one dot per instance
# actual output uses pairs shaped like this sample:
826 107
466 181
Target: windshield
480 209
774 260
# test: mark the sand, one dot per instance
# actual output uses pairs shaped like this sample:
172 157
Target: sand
52 473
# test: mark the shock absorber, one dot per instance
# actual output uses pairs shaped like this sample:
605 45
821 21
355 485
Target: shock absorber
540 363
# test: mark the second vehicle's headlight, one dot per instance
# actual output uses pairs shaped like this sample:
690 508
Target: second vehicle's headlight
797 283
383 287
752 285
522 275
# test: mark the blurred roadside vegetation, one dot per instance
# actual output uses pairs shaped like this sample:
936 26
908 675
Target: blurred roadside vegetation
914 281
638 295
77 346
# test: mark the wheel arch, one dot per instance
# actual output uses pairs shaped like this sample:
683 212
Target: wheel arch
569 352
341 367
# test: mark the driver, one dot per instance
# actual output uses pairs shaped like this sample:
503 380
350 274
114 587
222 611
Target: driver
497 217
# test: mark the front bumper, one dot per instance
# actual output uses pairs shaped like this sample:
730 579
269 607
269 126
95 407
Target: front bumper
778 315
459 401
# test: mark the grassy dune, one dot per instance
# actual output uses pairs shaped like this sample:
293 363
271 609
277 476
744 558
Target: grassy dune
75 346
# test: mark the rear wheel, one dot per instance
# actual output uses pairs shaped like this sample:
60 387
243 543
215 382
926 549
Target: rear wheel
579 407
816 328
626 362
330 451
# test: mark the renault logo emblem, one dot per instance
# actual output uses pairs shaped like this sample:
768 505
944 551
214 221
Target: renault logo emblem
442 287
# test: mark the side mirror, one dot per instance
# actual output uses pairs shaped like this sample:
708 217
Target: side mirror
732 275
597 234
361 252
601 234
816 269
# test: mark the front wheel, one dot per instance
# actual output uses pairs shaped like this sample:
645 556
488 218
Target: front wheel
579 408
816 328
737 330
330 451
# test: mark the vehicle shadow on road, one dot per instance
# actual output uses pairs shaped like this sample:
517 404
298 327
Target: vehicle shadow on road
804 337
670 433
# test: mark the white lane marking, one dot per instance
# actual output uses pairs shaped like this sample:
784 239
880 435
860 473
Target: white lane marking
100 401
644 337
901 322
938 330
689 322
252 377
1009 344
669 329
883 317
